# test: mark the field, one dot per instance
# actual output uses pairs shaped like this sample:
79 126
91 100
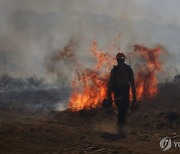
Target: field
31 123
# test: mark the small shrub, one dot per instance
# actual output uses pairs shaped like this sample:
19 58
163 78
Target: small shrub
34 82
5 81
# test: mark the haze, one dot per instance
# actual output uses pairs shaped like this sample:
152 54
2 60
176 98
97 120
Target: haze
31 30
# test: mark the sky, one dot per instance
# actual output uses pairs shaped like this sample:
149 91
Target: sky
30 30
157 11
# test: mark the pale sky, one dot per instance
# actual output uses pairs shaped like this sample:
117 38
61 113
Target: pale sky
157 11
32 28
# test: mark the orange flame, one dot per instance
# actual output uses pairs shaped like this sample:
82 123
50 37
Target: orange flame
93 82
146 79
90 87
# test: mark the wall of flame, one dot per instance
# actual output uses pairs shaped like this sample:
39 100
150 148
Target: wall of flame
90 84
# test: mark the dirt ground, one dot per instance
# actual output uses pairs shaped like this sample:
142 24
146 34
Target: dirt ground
81 132
29 124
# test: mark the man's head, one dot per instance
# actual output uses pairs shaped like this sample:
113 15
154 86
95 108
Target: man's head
120 57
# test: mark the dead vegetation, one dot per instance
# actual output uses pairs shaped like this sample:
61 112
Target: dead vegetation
30 124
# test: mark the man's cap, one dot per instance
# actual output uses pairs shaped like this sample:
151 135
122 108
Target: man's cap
120 55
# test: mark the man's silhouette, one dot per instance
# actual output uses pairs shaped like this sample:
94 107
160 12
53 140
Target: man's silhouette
120 81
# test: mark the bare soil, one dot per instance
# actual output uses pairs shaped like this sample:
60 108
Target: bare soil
93 131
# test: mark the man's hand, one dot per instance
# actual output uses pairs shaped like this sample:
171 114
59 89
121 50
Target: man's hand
109 98
134 106
134 99
110 101
107 103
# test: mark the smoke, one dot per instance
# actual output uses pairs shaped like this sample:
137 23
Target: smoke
62 105
33 30
63 61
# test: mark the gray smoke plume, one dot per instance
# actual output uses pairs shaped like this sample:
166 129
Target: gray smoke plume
32 30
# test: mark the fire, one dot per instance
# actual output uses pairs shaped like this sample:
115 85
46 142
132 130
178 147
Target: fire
146 78
92 82
90 85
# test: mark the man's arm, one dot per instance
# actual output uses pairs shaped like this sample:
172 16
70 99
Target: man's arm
110 84
132 83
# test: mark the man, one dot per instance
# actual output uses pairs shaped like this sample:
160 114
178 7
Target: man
121 78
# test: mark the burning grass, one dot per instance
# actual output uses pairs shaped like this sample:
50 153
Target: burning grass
90 84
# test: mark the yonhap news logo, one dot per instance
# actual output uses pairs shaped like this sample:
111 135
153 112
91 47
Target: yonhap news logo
166 143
